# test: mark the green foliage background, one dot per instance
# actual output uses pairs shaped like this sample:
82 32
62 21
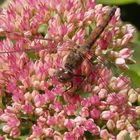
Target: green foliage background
118 2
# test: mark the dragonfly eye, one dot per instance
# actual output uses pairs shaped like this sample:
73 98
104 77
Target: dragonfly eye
64 75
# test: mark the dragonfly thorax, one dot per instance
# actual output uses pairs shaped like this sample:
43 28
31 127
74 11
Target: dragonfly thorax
64 75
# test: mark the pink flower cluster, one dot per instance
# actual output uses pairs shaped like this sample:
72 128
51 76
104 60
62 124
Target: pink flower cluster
33 103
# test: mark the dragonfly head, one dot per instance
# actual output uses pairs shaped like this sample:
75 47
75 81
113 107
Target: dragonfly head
64 75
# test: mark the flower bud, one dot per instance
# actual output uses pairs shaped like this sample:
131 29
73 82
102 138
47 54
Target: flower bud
133 135
133 97
120 62
138 99
110 124
106 115
104 134
95 113
102 94
49 132
69 124
122 134
138 110
57 136
84 112
120 124
39 111
125 53
15 132
6 128
28 96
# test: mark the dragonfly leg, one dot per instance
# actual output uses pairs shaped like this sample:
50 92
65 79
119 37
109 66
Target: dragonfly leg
79 85
70 87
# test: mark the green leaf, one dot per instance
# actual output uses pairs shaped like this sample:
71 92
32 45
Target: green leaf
1 126
79 110
43 28
127 137
85 95
136 54
32 55
22 138
138 1
138 124
135 77
1 2
116 2
88 135
2 38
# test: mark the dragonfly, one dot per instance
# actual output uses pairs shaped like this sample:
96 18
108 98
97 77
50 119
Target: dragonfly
77 54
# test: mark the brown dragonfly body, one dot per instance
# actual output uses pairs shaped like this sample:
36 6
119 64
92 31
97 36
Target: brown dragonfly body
76 56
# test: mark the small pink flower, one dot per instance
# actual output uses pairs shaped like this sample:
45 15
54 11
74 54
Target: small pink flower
70 109
106 115
120 125
39 100
6 128
1 111
103 105
49 96
79 121
104 134
95 100
123 82
125 53
13 121
57 136
126 38
102 94
91 4
69 136
110 124
57 106
37 131
117 99
69 124
2 138
95 113
84 112
27 108
61 118
89 125
11 110
78 131
41 121
79 37
48 132
121 63
39 111
18 96
15 132
51 120
85 102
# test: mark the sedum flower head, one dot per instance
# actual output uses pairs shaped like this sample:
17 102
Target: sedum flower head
32 98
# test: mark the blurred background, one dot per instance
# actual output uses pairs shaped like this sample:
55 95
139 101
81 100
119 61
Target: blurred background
130 13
